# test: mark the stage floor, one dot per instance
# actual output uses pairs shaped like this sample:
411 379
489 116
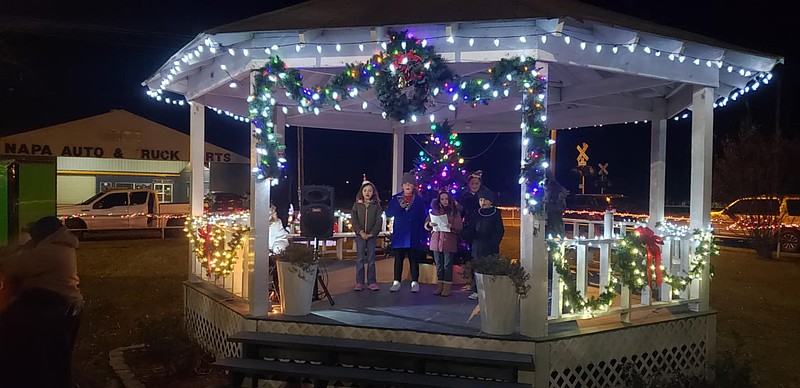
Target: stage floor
425 312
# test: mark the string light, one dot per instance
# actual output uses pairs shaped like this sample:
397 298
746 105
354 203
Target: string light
213 46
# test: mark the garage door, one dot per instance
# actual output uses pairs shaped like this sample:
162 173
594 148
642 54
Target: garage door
74 189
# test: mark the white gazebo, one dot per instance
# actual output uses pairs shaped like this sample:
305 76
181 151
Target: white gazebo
601 68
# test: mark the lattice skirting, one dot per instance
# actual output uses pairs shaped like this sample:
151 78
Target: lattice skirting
685 346
210 323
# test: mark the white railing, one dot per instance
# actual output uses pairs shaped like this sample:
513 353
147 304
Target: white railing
594 243
236 282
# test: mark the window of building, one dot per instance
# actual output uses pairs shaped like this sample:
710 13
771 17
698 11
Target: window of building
123 185
164 190
143 186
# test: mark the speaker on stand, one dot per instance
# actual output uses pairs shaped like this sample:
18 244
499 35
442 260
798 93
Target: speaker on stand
316 222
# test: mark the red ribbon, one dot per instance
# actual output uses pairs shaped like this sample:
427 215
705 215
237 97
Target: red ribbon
204 234
652 242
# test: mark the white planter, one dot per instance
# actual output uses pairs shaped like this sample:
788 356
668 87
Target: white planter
499 302
296 292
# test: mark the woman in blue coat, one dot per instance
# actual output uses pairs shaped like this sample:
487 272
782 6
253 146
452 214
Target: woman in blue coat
408 230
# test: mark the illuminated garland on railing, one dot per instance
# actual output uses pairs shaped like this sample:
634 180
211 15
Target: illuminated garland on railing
407 75
573 298
207 238
629 268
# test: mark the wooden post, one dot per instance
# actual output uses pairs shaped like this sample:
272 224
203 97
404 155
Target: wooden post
658 158
533 257
258 270
197 135
581 270
700 183
398 148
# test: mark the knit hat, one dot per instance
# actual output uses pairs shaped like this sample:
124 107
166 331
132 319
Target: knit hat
409 177
478 174
486 194
44 227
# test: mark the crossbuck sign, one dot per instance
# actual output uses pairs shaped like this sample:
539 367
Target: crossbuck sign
582 157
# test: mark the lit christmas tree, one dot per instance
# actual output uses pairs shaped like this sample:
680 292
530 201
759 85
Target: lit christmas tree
440 165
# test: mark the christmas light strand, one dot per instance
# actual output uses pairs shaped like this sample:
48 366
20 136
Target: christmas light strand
210 49
208 237
630 267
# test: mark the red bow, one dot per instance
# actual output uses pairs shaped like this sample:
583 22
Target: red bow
406 68
205 233
652 242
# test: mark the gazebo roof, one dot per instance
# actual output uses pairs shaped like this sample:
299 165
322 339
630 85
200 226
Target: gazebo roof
604 67
323 14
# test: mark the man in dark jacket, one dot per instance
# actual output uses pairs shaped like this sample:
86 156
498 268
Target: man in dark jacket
485 229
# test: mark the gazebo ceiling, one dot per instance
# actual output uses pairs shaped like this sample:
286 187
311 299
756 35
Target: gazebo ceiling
603 67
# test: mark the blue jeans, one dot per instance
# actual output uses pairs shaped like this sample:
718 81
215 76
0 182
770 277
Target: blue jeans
366 256
444 266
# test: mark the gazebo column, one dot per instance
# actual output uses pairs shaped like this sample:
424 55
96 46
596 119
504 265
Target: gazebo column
533 257
258 258
700 189
197 134
658 163
398 148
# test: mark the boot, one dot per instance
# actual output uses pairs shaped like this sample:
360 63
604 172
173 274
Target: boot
439 286
446 288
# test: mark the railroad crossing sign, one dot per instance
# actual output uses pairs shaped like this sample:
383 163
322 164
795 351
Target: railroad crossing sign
582 157
603 169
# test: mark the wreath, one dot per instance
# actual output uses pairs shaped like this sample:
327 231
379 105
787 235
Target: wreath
212 249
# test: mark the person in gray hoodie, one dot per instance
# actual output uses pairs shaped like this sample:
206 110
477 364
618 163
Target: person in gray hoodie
38 329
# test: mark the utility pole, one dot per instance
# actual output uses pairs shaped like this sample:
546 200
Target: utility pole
300 168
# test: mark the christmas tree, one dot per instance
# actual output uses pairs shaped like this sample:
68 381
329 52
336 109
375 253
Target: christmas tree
440 165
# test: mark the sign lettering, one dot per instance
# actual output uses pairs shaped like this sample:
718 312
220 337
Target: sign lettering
160 155
25 149
99 152
218 157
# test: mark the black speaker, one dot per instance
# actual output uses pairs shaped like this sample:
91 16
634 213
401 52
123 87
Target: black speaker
316 212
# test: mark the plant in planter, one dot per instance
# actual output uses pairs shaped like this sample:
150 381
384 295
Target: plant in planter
501 282
297 268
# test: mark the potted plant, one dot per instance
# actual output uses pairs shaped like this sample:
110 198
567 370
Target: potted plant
501 282
297 270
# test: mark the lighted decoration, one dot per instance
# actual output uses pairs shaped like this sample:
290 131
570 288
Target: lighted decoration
572 297
211 49
630 266
207 237
262 105
439 165
408 74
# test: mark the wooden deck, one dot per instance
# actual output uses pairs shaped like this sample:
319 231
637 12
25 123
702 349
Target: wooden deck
424 312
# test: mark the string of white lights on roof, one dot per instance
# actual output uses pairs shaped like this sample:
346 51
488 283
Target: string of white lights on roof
210 47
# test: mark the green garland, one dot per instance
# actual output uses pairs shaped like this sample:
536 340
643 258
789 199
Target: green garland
407 76
215 253
628 269
573 297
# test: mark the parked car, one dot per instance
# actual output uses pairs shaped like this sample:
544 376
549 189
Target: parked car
122 209
223 202
728 222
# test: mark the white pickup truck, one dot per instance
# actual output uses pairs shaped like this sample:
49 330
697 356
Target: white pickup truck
123 209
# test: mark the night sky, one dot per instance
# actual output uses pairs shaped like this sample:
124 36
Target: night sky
61 61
